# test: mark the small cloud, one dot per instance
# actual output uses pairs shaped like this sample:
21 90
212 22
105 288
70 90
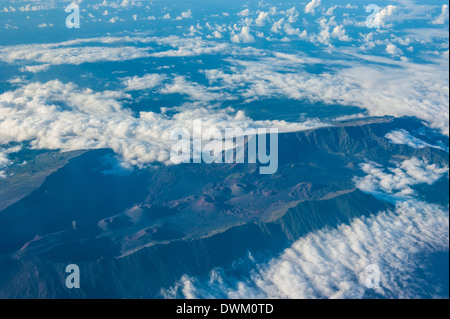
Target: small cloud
381 17
45 25
217 35
35 68
10 27
148 81
339 33
185 15
405 138
397 181
277 26
113 20
244 13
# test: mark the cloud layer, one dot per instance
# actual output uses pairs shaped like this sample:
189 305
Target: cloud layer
60 116
332 263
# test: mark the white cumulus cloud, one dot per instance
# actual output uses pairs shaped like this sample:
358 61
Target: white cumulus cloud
243 37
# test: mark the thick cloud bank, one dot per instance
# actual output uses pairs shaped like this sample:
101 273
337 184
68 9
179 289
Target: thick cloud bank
332 263
60 116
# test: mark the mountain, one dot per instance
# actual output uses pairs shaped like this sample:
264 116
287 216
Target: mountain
134 233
